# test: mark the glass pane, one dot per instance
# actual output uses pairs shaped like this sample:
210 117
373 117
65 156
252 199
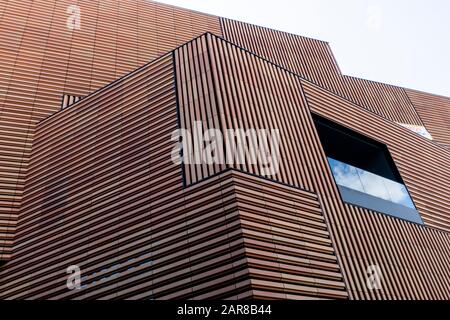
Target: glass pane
374 185
369 183
399 194
345 175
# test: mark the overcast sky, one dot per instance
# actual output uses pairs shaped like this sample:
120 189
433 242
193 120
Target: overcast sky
401 42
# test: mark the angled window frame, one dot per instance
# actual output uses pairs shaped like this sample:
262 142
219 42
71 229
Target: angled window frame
376 184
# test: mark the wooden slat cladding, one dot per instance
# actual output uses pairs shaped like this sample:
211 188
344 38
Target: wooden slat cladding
204 242
414 259
424 167
42 58
196 101
123 215
68 100
89 148
309 58
289 251
21 53
103 193
314 61
435 113
389 101
227 88
251 92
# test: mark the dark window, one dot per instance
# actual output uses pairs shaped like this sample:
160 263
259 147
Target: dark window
365 171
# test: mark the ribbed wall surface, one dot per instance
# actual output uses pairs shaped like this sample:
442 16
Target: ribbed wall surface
309 58
435 113
93 170
253 93
249 92
237 90
389 101
41 59
288 248
103 194
424 167
414 259
314 61
68 100
197 101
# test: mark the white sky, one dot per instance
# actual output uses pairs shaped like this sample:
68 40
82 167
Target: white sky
401 42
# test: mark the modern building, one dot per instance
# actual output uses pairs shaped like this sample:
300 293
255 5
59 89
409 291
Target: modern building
354 202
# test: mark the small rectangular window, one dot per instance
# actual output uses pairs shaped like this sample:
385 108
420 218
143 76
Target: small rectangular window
365 172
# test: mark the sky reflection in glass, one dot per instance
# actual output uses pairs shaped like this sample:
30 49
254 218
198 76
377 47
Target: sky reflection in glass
369 183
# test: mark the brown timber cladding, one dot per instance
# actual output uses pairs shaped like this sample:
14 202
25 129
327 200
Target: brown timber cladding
41 59
250 92
435 113
313 60
137 233
416 259
103 193
68 100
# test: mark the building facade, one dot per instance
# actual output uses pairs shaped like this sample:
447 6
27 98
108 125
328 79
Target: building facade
353 202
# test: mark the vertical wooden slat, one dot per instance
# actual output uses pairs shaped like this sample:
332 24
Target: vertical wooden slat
133 226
